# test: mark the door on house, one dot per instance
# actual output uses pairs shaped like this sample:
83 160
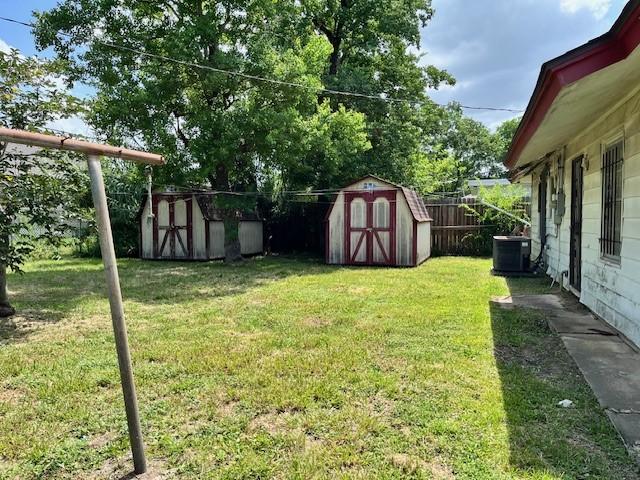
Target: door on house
370 221
173 226
575 248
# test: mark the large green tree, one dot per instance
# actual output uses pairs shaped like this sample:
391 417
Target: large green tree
37 188
504 136
373 45
214 127
467 149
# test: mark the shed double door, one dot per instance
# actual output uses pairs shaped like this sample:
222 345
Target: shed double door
370 227
173 235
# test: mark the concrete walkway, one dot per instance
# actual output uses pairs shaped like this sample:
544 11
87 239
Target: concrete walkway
608 363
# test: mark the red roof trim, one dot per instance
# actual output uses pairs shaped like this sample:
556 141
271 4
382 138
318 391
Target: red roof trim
612 47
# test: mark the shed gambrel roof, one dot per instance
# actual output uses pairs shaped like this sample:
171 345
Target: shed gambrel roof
413 198
416 205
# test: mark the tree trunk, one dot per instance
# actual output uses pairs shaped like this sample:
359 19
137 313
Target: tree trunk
230 216
6 310
334 60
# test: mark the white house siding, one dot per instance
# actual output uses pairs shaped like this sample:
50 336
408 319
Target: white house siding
250 234
424 241
404 232
611 291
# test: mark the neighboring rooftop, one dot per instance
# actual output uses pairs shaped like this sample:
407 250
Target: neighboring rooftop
488 182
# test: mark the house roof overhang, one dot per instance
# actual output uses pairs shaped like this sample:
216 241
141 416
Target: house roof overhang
576 87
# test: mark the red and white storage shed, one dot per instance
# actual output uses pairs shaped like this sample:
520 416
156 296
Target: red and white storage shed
187 226
376 222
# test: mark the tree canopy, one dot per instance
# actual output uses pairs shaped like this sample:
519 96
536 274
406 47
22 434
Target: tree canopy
37 188
243 94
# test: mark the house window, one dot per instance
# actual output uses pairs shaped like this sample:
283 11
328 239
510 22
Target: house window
370 186
611 236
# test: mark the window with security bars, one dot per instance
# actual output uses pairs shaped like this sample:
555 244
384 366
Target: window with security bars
611 235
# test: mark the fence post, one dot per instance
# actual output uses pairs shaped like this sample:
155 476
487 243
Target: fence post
117 313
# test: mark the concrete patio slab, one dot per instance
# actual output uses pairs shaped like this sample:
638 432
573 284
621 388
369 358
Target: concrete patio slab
538 302
628 425
571 322
611 368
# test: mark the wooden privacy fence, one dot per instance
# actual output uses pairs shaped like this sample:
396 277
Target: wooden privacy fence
453 223
455 228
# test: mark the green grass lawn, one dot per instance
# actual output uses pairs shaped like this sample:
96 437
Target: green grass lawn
287 368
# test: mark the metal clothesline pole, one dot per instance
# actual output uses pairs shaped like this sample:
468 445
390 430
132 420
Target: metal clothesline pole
117 313
93 152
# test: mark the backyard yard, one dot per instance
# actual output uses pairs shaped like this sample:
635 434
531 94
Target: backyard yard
287 368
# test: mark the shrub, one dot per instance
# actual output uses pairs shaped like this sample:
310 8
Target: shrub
506 213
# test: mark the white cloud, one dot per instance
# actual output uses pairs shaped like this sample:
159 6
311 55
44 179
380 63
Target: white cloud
4 46
599 8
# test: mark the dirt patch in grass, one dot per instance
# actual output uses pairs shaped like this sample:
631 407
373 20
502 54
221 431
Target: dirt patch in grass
122 469
580 441
357 290
410 464
25 323
312 443
259 302
11 396
101 440
274 423
379 406
227 409
316 322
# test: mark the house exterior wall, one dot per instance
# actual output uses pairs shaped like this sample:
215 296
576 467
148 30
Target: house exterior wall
611 290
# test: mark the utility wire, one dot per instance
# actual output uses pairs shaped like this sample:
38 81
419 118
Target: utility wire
256 78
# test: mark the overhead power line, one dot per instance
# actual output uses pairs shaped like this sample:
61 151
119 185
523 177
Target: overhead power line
272 81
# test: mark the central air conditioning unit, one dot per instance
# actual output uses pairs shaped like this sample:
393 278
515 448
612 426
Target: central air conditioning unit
511 255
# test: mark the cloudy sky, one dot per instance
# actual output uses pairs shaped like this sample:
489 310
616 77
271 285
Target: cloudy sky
494 48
